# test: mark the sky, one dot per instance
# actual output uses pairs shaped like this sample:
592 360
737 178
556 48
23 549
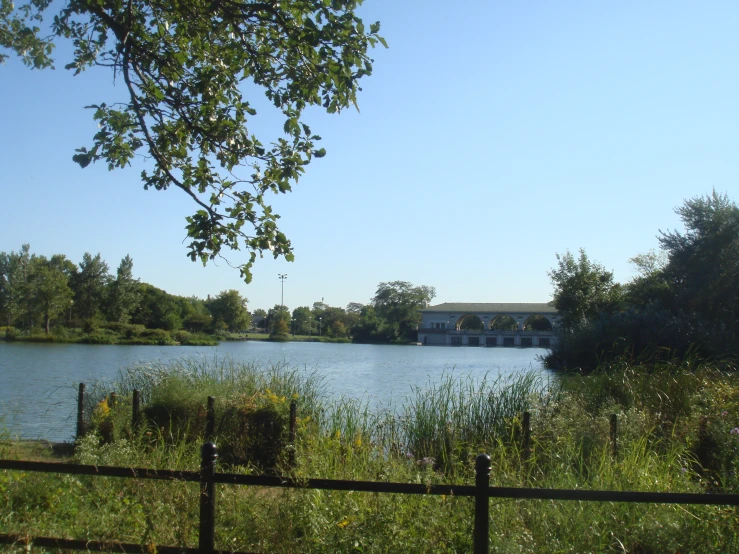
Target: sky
491 136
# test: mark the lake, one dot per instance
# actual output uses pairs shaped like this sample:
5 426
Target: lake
38 382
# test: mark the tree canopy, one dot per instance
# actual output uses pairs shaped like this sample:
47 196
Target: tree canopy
186 68
684 299
582 288
399 304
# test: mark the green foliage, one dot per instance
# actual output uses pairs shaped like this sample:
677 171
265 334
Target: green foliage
13 276
185 69
303 319
703 265
10 333
124 293
399 304
251 412
537 323
89 285
345 439
230 307
472 323
47 290
197 323
371 328
280 331
504 323
684 298
451 420
582 289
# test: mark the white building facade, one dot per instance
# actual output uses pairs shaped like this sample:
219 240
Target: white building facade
489 325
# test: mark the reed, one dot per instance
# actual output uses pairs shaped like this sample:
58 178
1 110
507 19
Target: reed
451 421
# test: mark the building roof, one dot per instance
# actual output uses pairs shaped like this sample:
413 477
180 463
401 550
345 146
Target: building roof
498 307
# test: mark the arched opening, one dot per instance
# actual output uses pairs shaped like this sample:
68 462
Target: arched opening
503 323
470 322
537 323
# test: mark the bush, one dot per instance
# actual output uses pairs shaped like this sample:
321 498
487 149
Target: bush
99 337
10 333
92 324
157 336
252 405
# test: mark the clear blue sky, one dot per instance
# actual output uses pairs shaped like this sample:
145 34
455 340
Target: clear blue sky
492 135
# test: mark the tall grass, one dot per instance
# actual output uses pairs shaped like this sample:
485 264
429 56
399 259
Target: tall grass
445 421
664 414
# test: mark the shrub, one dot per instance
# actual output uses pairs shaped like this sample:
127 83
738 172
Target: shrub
252 406
99 337
92 324
11 333
157 336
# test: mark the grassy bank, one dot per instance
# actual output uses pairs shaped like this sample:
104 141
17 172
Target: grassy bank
677 424
115 333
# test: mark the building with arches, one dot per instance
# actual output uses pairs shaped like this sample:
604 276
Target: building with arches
489 324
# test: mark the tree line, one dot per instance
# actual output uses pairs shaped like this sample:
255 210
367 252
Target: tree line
684 299
36 291
40 292
392 315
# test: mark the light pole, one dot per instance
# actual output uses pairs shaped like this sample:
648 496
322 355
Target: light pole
282 277
320 320
71 302
310 325
293 326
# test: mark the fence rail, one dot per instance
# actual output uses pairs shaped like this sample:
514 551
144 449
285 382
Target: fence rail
208 478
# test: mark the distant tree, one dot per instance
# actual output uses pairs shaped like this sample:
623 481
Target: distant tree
472 323
303 319
337 329
123 295
504 323
353 312
371 328
333 322
230 307
650 287
157 309
703 262
89 285
280 330
261 316
13 277
399 304
47 289
275 314
354 308
537 323
583 289
197 323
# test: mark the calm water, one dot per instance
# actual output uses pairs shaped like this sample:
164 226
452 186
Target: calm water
38 381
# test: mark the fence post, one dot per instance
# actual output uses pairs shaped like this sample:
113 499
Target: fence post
613 436
210 419
135 408
482 504
207 535
81 411
293 432
526 435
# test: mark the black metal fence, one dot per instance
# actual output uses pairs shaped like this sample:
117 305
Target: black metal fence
209 478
